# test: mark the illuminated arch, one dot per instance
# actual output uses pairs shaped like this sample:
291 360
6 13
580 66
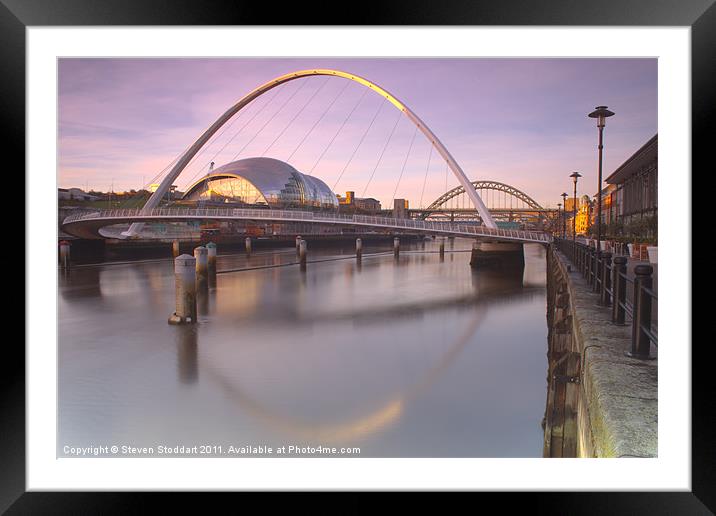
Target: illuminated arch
156 197
482 185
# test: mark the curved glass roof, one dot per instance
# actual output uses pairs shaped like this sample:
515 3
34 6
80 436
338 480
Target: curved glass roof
279 183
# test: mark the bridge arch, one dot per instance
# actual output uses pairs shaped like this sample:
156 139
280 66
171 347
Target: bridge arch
482 185
156 197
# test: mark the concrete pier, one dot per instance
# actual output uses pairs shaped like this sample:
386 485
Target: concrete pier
65 254
202 267
247 245
185 290
442 250
496 253
302 251
359 249
396 248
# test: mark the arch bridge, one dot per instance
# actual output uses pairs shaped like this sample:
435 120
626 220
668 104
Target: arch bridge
505 202
155 199
90 225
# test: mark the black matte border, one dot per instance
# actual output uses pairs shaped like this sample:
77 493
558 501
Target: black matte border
16 15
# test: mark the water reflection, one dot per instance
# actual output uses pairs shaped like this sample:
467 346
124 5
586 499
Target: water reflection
187 354
405 360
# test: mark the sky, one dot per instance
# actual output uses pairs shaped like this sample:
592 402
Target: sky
518 121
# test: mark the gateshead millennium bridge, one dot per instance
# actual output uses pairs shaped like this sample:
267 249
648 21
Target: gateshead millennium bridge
90 225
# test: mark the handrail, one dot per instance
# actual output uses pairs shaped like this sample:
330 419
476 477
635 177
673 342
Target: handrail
267 214
637 308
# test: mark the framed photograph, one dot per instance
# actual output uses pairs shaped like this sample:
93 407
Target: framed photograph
416 252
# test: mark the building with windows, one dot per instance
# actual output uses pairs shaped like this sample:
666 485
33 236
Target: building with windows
352 204
634 191
75 194
262 182
584 215
400 208
609 205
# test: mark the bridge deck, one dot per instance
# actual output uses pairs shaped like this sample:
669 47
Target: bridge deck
87 225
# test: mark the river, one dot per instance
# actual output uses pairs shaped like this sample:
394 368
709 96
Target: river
419 358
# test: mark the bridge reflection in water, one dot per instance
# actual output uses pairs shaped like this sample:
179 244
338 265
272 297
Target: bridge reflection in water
422 359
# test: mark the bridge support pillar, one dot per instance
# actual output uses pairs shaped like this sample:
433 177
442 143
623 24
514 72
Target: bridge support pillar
175 249
442 250
185 281
247 243
202 267
496 253
359 249
302 254
211 262
65 254
396 248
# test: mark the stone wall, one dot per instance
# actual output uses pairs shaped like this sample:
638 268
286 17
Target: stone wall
600 403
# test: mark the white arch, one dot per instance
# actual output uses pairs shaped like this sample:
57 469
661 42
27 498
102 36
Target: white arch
156 197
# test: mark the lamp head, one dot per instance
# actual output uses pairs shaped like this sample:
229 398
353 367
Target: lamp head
575 175
601 113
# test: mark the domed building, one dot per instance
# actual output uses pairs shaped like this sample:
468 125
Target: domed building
262 182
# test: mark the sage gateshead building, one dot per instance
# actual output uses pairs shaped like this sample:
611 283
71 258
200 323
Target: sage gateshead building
264 182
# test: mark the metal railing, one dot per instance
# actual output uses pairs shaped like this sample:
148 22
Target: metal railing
310 216
607 276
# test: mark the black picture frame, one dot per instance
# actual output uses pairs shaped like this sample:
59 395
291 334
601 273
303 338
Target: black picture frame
700 15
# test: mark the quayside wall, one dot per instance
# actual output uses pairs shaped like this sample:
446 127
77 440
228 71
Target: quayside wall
600 403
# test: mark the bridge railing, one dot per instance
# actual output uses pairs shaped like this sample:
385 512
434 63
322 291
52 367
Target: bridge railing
266 214
632 301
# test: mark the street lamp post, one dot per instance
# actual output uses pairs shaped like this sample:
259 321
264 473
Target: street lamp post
564 215
575 176
559 216
601 113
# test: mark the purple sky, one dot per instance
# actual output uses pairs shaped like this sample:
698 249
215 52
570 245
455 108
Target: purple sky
518 121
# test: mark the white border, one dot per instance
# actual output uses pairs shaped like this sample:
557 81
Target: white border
670 471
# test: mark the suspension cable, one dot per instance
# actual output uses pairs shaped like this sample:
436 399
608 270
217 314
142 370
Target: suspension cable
405 162
208 145
380 108
263 106
156 177
296 116
318 121
446 176
425 180
380 158
303 83
137 196
339 130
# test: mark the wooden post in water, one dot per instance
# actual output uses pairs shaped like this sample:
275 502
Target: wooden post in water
442 250
359 249
175 248
247 243
65 254
201 254
211 262
298 245
302 254
396 248
185 290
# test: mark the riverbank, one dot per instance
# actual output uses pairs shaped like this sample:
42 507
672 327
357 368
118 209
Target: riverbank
601 403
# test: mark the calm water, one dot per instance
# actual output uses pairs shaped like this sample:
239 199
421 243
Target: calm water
415 359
